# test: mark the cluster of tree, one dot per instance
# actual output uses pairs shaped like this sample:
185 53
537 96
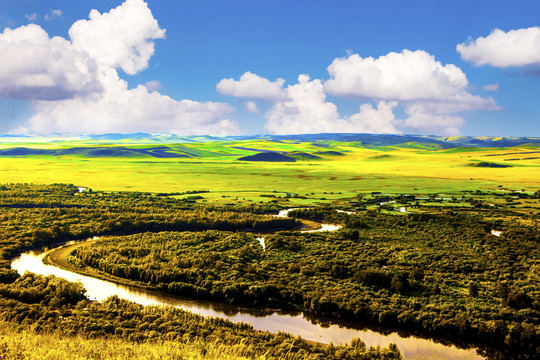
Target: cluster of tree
440 274
443 275
49 291
64 310
34 215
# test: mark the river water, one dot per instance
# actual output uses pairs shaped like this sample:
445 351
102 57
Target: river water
299 323
333 331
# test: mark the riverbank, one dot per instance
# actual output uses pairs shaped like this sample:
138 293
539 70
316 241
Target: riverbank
62 255
312 328
58 258
204 252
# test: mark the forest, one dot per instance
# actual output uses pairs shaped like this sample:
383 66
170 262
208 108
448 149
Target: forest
436 273
443 275
34 215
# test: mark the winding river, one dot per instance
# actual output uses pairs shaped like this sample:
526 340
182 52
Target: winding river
308 326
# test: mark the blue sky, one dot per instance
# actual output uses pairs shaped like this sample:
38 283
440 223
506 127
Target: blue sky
255 66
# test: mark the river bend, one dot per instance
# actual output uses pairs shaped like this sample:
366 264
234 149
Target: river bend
334 331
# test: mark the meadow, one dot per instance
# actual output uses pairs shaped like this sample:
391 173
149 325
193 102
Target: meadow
321 173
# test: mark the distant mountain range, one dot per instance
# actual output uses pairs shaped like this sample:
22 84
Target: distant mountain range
429 141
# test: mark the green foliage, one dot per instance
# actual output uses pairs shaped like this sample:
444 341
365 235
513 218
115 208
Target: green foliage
26 344
50 290
436 274
33 216
120 321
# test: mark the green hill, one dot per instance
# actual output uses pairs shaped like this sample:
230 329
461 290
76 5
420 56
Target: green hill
268 157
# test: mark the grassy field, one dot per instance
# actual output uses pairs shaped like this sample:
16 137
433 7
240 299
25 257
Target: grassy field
26 344
214 166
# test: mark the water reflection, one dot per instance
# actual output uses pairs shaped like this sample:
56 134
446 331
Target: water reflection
297 323
324 227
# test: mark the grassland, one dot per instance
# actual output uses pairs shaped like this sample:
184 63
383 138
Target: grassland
27 344
214 166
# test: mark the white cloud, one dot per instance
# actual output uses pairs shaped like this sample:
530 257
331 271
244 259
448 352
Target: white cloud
153 85
305 110
252 86
422 119
409 75
432 93
251 107
37 67
31 17
54 14
370 120
76 87
458 103
491 87
440 117
118 109
515 48
120 38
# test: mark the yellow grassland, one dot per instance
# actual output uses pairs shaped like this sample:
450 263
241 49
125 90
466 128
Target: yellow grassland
394 170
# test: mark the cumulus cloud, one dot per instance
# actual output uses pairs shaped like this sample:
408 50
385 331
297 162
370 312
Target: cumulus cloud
420 118
252 86
380 120
305 110
118 109
441 117
76 87
515 48
120 38
432 93
409 75
459 103
37 67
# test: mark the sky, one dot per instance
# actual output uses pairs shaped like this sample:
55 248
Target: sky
241 67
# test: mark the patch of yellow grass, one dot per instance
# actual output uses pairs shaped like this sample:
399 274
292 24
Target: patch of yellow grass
359 170
28 345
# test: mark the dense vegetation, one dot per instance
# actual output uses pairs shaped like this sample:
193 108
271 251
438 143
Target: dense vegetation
29 345
33 216
438 272
64 311
38 215
441 274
